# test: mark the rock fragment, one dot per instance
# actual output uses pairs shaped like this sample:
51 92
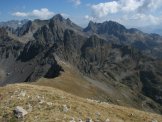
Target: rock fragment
19 112
89 120
154 120
107 120
65 108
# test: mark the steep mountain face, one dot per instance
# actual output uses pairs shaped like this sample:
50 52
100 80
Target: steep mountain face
108 27
104 52
24 29
19 62
29 28
12 25
149 44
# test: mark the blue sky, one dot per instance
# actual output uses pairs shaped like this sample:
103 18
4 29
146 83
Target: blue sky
132 13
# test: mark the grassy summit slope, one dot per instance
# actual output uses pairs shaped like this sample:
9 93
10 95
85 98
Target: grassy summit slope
46 104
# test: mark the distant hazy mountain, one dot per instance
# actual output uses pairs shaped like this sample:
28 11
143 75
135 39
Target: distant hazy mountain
152 29
13 23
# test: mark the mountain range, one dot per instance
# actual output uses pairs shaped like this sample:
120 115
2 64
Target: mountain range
13 23
152 29
123 65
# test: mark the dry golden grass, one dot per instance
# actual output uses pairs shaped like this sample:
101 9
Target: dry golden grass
11 96
72 82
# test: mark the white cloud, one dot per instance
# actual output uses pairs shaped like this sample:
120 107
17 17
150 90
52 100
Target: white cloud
89 18
43 13
150 5
124 6
147 18
130 5
140 20
128 12
153 5
102 9
20 14
76 2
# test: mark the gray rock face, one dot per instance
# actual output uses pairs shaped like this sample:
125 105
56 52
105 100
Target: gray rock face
19 112
13 25
149 44
20 31
108 27
19 62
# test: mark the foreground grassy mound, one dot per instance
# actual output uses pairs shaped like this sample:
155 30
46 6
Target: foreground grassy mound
46 104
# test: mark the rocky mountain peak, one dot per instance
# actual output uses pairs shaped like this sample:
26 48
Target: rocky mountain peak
24 29
107 27
91 24
110 27
92 27
58 17
59 22
69 22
